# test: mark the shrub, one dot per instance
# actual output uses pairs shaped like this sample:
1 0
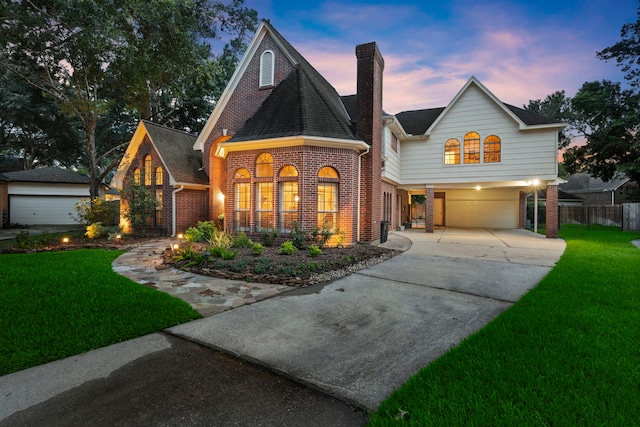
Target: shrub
314 251
142 205
95 230
22 240
241 240
268 238
321 236
208 229
185 253
298 236
193 235
220 239
96 209
45 238
227 254
287 248
257 249
238 266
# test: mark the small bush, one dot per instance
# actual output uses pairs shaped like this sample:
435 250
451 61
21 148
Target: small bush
95 230
321 236
298 236
287 248
262 265
314 251
22 240
238 266
186 253
268 238
216 251
220 239
45 238
241 240
193 235
208 229
257 249
227 254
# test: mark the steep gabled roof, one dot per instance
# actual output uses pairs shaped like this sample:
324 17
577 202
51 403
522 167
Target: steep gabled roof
175 148
320 85
417 122
584 183
48 175
300 105
530 118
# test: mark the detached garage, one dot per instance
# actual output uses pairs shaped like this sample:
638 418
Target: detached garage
43 196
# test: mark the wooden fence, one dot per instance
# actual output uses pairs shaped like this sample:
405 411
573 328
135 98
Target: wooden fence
631 217
605 217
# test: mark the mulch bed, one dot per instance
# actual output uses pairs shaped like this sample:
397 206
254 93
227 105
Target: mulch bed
299 269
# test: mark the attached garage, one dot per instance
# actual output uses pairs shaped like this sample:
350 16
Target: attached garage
490 208
45 196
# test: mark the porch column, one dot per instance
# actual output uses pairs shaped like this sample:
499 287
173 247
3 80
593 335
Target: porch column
552 211
522 220
428 210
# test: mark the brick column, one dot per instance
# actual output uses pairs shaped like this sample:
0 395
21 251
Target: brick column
428 210
552 211
522 219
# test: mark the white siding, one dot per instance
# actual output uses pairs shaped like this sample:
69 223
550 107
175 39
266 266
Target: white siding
391 169
524 154
42 189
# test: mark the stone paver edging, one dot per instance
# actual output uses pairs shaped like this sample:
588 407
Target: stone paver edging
207 295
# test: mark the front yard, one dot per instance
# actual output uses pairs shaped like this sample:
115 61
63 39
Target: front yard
566 354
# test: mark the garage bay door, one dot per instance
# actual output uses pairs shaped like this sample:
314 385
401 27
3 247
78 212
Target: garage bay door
482 213
36 210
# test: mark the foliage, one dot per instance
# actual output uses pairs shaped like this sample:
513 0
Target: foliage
268 238
314 251
227 253
95 230
321 236
94 209
241 240
257 249
418 199
556 106
142 205
287 248
189 253
626 52
221 239
151 56
89 307
298 237
22 240
193 234
609 118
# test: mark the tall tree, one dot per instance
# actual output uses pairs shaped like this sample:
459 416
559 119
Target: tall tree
626 52
608 117
92 55
557 106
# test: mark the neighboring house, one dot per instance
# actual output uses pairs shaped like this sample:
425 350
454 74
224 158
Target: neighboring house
595 191
41 196
282 147
564 198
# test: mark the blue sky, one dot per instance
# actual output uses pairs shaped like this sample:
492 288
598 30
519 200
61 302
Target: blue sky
520 50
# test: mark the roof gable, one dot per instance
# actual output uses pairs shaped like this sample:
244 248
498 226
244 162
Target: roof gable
175 148
300 105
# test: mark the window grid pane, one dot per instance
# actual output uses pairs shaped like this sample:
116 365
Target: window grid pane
472 148
264 206
242 201
492 147
288 205
147 170
327 205
264 165
452 152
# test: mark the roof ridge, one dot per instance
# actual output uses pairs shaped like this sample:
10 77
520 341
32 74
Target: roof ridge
146 122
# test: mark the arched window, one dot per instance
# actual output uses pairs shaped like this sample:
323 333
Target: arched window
158 176
288 196
264 192
452 152
328 198
242 200
136 176
266 68
148 172
472 148
492 147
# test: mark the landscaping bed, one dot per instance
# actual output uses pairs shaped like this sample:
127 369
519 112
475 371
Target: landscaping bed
298 269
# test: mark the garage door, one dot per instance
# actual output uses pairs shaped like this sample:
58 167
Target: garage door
482 213
37 210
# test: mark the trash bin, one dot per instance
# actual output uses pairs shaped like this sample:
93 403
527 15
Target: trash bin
384 231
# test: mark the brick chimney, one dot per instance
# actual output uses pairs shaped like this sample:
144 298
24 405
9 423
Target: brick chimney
369 127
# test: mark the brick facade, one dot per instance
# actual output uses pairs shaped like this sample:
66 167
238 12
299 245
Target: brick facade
552 211
428 209
522 210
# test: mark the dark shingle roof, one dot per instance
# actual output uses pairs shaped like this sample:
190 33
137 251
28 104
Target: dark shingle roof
584 183
530 118
48 174
417 122
297 106
302 104
176 149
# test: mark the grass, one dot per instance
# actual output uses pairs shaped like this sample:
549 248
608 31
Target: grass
59 304
568 353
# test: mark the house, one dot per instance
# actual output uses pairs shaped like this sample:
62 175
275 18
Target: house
564 198
41 196
595 191
282 147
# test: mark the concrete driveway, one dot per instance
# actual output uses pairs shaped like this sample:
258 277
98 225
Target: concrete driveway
362 336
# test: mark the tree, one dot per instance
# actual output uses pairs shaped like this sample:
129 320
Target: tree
627 51
89 55
141 204
608 117
557 106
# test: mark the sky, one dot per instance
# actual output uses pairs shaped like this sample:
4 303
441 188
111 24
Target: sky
520 50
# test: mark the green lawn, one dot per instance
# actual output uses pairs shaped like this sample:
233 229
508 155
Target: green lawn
58 304
567 354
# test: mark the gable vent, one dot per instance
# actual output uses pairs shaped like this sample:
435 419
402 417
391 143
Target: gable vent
266 68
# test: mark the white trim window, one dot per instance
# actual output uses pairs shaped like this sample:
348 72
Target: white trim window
267 68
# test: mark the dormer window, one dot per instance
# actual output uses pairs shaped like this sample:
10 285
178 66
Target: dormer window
266 69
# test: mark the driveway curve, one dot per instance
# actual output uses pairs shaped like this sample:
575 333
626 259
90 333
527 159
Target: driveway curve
362 336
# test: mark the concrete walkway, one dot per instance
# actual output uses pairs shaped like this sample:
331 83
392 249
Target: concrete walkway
356 339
